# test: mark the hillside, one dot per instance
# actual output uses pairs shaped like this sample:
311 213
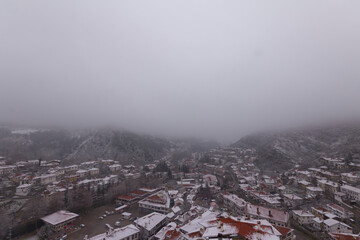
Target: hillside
78 146
282 150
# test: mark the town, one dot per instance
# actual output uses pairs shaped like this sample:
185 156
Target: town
215 194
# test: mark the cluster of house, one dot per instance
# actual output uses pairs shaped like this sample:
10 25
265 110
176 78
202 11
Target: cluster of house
319 199
196 223
36 176
298 191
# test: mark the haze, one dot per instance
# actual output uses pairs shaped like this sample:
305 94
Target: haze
212 69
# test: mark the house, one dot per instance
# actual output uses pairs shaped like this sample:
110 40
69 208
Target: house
304 184
71 169
94 172
210 180
115 168
303 217
170 231
314 191
23 190
274 216
319 212
150 224
316 223
157 202
350 178
82 173
337 210
7 169
292 200
234 203
351 192
334 226
129 232
59 220
44 179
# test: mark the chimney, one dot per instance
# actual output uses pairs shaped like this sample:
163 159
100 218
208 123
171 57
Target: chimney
270 213
257 210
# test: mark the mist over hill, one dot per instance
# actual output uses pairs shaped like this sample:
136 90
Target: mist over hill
78 146
283 149
83 145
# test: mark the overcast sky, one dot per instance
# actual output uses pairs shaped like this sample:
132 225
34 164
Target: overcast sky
217 69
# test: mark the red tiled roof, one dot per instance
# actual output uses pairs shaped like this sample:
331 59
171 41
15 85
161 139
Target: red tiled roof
138 193
343 236
283 230
195 234
126 197
172 235
244 228
337 207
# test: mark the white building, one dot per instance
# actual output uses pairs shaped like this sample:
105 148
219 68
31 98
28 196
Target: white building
314 191
292 200
115 168
303 217
210 179
7 169
274 216
59 220
334 226
82 173
23 190
351 192
234 203
72 168
129 232
150 224
94 172
337 210
350 177
45 179
157 202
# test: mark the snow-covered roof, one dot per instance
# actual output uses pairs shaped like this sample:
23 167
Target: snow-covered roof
118 233
234 199
292 197
351 188
59 217
330 222
150 221
267 213
303 213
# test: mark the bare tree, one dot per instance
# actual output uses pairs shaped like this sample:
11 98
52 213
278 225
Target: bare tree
56 202
5 223
35 208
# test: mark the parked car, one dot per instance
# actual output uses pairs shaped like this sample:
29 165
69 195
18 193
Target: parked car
101 218
117 223
82 225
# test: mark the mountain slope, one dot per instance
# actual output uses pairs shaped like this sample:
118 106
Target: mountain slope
282 150
79 146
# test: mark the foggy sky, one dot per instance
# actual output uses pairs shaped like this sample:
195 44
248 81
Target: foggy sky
213 69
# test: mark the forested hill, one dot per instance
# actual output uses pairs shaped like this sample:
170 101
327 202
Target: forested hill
79 146
282 150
